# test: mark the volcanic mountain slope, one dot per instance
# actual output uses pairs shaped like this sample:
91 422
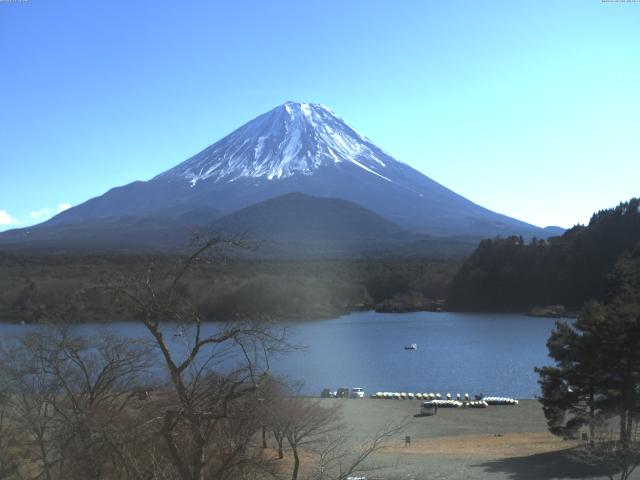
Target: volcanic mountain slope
300 216
296 225
296 147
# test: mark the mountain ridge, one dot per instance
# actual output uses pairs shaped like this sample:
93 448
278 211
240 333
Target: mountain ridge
296 147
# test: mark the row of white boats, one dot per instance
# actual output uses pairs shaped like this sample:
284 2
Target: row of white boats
448 400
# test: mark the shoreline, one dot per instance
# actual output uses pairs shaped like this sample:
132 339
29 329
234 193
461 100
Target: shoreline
287 320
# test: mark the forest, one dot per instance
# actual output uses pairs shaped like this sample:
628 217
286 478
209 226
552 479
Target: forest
32 286
510 274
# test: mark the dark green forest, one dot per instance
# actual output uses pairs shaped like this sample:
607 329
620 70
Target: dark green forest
76 288
509 274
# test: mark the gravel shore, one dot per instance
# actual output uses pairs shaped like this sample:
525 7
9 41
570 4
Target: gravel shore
499 442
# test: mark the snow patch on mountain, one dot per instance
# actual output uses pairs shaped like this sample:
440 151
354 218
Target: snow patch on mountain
292 139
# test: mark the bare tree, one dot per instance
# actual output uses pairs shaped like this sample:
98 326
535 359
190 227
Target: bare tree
268 397
305 424
29 408
320 441
213 370
66 394
8 462
339 456
274 416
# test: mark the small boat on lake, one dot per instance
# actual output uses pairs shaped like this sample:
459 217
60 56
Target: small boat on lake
413 346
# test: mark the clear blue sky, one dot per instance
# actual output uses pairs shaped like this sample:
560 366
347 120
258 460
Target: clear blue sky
530 108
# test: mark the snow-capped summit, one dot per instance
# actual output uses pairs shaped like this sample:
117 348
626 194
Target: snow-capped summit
292 139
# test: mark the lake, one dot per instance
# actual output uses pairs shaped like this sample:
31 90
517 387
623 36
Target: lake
457 352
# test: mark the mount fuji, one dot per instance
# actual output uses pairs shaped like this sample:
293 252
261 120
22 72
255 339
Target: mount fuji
295 147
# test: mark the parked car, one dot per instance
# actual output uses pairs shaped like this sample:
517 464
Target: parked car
428 408
342 393
326 393
357 392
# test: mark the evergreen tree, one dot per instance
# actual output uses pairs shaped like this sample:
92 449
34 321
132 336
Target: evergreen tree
570 390
597 371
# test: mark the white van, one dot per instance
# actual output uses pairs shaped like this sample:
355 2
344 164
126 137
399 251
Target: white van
357 392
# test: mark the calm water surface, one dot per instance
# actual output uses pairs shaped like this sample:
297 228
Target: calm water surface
466 353
457 352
